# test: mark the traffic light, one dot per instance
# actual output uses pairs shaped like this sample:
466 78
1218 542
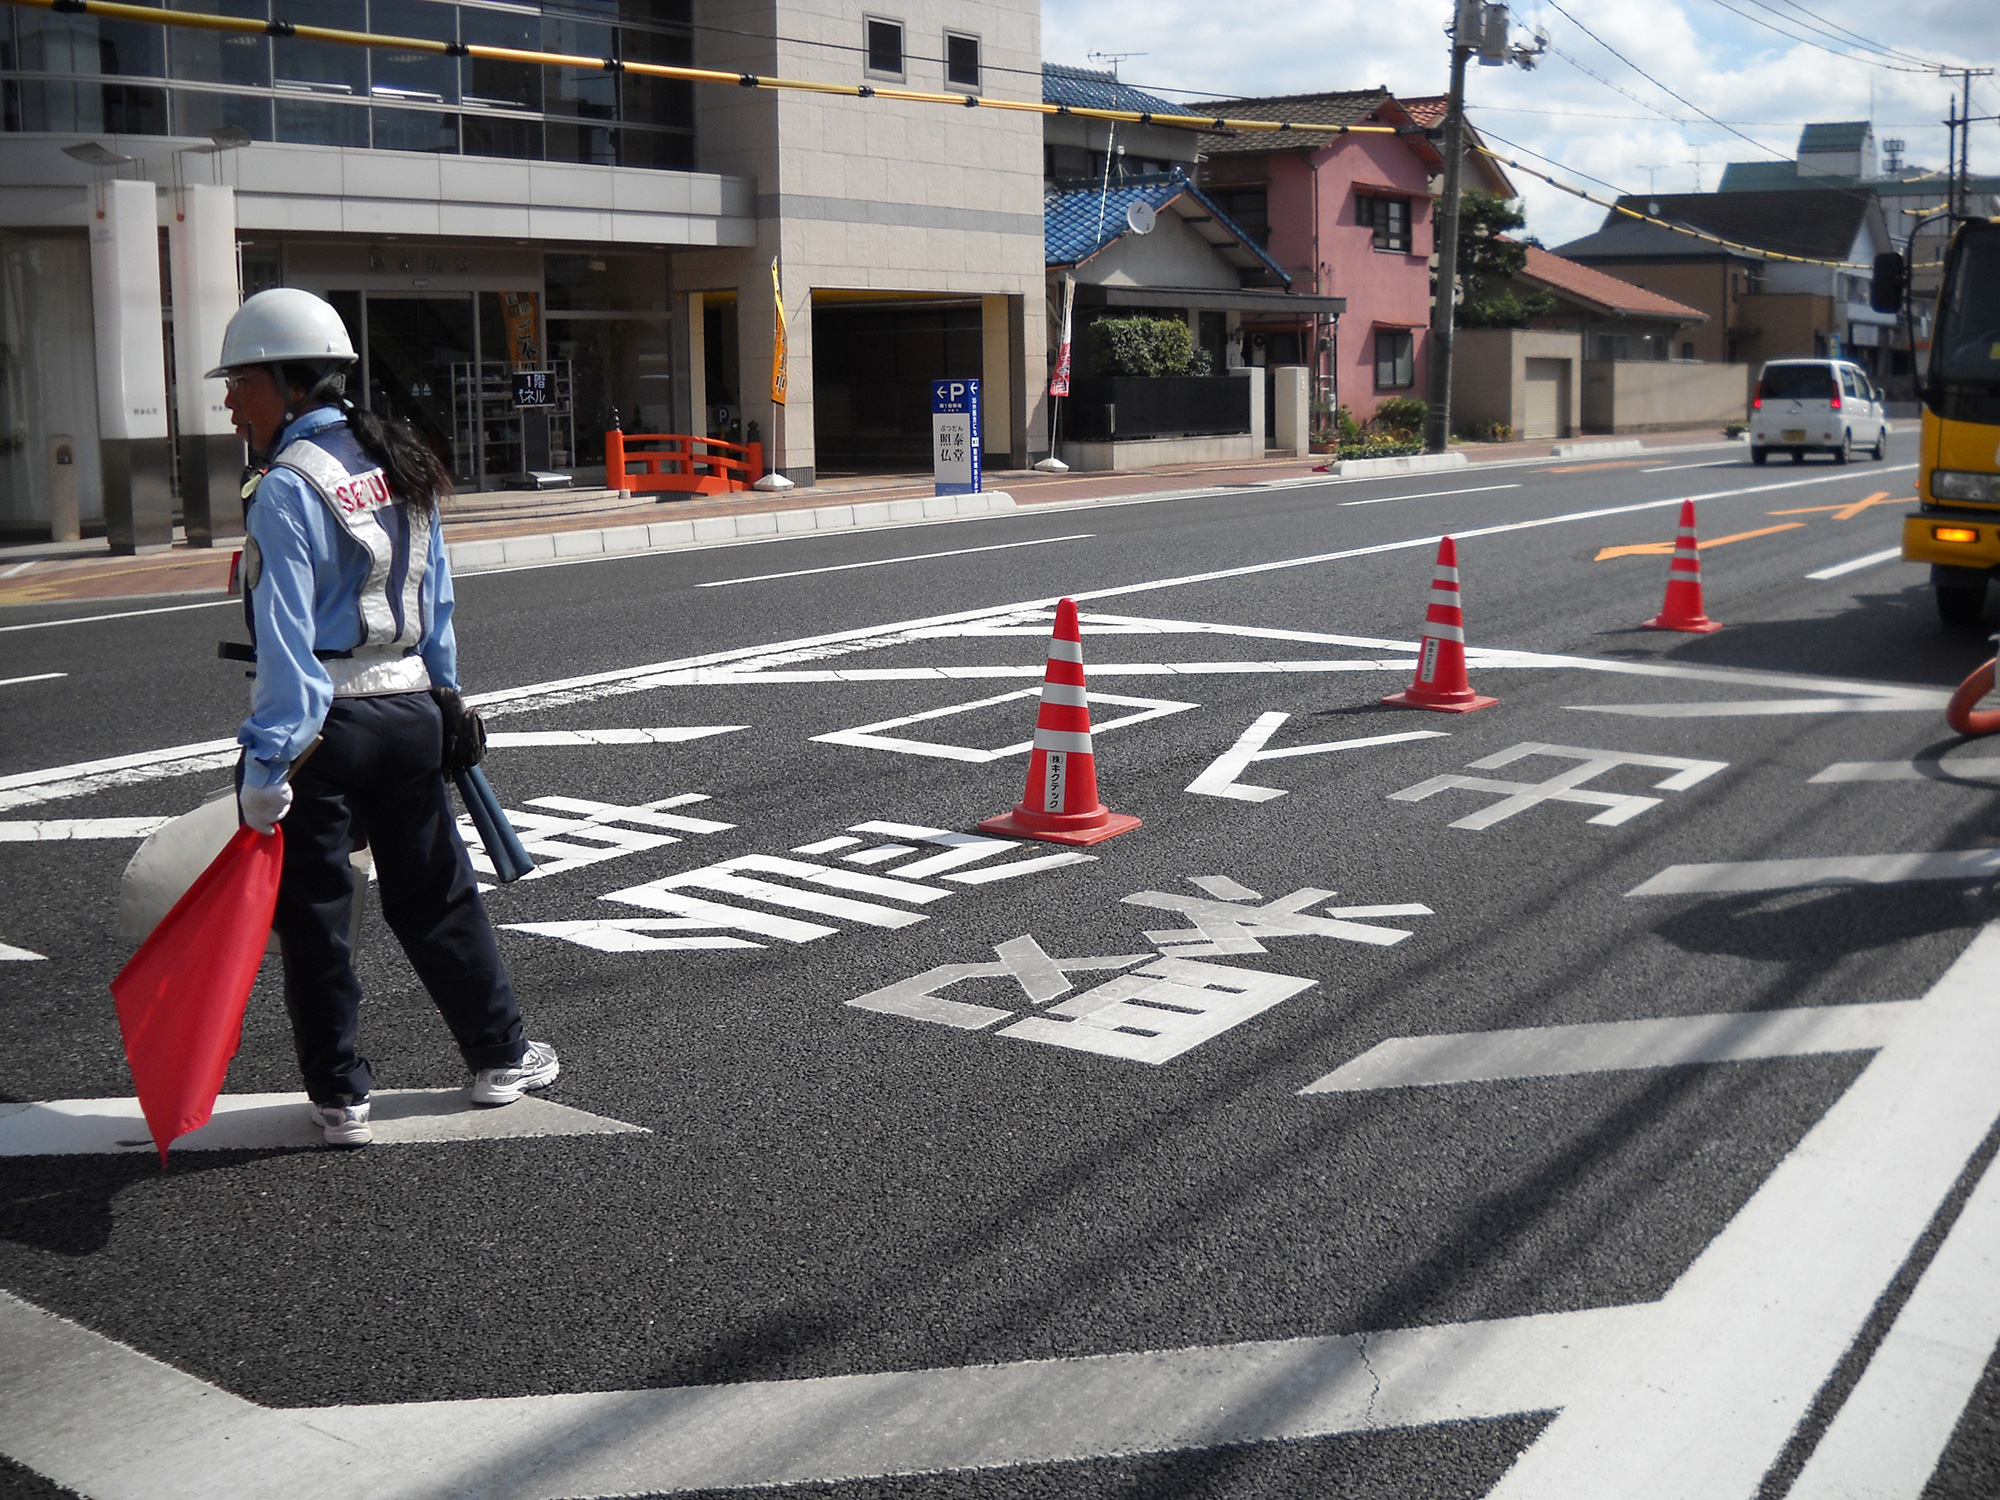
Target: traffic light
1891 280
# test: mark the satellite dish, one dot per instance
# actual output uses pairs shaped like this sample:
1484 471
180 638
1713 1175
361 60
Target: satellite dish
1140 218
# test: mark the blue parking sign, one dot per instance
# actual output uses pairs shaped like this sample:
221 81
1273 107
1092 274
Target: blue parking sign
955 436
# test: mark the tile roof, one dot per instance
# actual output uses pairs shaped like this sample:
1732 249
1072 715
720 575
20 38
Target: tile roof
1079 221
1783 177
1427 111
1092 88
1819 223
1622 298
1356 107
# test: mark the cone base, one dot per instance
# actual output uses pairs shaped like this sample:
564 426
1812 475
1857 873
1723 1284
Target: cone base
1025 822
1686 624
1466 705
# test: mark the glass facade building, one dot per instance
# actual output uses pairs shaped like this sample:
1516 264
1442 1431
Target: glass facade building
85 75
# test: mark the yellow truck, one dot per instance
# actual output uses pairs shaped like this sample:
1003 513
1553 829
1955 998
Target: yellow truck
1956 527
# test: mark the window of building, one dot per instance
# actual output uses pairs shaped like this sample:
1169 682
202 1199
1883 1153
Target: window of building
1395 359
885 46
961 60
1687 351
1388 217
1249 207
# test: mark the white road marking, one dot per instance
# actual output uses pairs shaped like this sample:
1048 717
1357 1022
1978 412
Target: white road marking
159 1434
1614 1046
1018 867
827 846
880 854
1219 780
1228 927
1855 565
1155 1014
79 828
1695 1398
642 934
1845 869
125 614
871 736
884 562
256 1122
560 844
1900 703
19 568
1894 1425
10 954
1720 463
1564 786
37 677
57 782
522 739
1476 489
1972 768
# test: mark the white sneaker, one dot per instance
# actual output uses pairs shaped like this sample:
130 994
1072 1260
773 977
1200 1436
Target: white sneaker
343 1124
537 1069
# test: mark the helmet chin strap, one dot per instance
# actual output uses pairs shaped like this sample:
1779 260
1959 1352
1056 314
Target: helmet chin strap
332 383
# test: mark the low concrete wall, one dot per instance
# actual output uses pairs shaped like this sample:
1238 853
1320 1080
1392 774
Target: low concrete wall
1294 429
1489 377
1412 463
1144 453
1651 396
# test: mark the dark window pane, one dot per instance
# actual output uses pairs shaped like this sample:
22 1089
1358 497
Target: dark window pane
656 148
220 56
132 110
1248 208
486 135
322 67
1395 359
885 47
608 282
587 143
49 43
961 61
132 50
589 93
314 122
1797 382
507 84
60 106
415 130
199 112
656 101
420 77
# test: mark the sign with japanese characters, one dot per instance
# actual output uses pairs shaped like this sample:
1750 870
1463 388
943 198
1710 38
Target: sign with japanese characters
955 436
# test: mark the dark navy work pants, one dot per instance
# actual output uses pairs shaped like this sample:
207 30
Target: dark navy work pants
378 770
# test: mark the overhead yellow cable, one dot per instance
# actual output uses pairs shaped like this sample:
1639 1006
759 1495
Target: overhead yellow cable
155 15
1697 234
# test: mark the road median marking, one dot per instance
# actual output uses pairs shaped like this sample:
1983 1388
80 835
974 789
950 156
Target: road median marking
1794 874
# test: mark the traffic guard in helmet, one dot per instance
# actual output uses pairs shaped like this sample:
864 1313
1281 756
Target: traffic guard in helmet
350 600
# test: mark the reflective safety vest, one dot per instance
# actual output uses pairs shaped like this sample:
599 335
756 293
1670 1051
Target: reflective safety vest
391 606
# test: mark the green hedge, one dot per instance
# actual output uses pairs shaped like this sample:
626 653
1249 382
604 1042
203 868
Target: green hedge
1379 448
1140 346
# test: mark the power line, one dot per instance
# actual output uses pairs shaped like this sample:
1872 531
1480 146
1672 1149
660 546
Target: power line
1866 42
1563 166
1659 85
1793 36
1590 72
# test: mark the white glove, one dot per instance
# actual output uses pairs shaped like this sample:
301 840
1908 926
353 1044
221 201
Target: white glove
264 807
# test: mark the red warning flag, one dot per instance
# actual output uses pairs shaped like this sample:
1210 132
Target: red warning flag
182 996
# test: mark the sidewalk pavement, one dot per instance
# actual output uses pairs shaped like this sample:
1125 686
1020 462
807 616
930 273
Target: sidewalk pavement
489 531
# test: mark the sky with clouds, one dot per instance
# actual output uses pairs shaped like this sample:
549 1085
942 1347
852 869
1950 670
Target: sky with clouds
1600 103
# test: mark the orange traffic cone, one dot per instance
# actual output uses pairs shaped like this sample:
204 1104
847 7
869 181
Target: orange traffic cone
1682 609
1060 804
1440 681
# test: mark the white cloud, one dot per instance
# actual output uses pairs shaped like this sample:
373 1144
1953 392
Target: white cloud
1763 83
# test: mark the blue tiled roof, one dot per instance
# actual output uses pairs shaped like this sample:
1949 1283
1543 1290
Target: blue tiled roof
1081 220
1090 88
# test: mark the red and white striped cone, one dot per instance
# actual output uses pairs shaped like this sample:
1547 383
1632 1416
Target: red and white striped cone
1441 682
1060 804
1682 609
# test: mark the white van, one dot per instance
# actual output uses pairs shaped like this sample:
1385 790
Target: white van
1817 406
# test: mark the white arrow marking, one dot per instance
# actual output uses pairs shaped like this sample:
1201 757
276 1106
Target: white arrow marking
10 954
1219 780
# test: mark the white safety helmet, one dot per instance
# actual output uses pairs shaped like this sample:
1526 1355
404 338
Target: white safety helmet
282 325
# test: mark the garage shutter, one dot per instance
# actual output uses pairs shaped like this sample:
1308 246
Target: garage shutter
1546 397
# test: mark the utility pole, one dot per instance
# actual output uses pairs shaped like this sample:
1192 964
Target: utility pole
1468 25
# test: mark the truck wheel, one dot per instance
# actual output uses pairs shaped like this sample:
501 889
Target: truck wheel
1958 604
1962 715
1759 456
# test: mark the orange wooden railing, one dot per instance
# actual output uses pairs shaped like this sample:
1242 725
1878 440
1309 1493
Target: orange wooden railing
647 462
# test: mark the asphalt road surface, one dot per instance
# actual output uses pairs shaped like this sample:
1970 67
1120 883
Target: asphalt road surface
1587 1096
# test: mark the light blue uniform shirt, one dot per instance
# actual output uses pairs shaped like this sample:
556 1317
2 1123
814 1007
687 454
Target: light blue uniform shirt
306 599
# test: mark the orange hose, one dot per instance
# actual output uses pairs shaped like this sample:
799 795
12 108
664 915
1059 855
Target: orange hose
1960 713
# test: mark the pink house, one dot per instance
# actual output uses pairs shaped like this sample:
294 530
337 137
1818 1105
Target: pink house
1349 216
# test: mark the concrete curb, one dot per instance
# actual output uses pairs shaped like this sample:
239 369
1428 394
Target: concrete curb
1615 448
490 554
1409 463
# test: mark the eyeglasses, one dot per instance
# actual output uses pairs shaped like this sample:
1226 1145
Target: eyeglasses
234 383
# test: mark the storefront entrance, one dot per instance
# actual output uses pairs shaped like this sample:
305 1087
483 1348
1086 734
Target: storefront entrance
873 364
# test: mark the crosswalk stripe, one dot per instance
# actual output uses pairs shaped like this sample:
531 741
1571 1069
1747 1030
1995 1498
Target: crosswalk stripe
1972 768
1613 1046
1847 869
401 1117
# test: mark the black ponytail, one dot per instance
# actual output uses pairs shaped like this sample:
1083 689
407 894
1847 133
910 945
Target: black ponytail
415 475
